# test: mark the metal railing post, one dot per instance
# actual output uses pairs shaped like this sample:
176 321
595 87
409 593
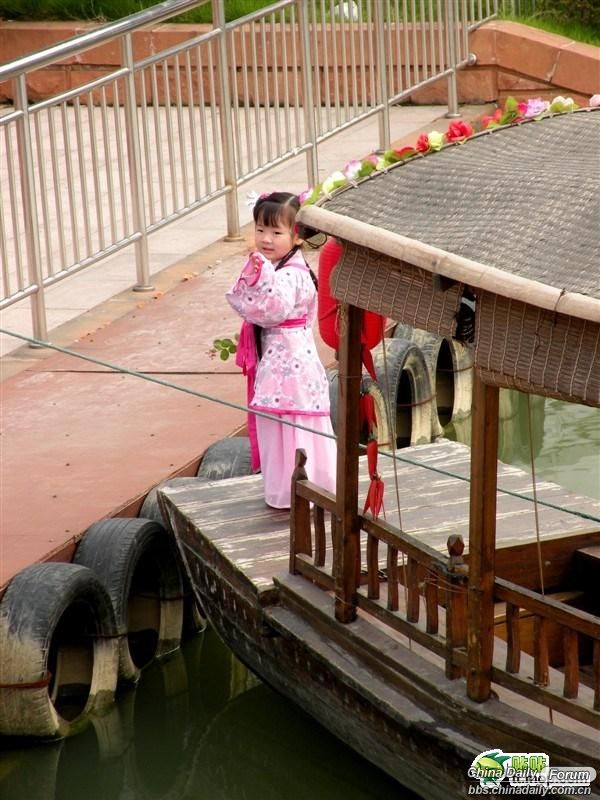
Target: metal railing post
142 261
384 116
30 217
229 170
310 131
451 47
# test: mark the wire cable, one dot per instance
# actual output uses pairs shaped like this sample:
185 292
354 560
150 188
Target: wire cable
238 407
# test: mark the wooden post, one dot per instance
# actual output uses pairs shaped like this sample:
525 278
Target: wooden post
456 604
300 539
347 545
482 539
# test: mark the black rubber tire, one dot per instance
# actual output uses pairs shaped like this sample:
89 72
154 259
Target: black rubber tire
137 561
227 458
57 623
150 508
409 391
372 388
450 371
194 620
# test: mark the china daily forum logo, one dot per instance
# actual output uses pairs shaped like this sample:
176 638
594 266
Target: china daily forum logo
526 774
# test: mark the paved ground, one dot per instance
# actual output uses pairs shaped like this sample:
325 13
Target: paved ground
96 284
81 442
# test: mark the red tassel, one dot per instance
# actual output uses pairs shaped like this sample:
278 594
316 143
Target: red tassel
372 452
374 499
367 411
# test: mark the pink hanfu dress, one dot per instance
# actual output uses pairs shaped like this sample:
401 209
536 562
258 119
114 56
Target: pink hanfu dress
290 379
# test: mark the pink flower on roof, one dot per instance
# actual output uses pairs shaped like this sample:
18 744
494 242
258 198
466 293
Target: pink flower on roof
595 101
352 169
534 107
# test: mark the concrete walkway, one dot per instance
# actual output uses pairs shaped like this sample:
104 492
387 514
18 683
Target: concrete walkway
81 442
76 294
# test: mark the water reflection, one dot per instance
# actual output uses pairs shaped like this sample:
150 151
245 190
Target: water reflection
198 725
565 441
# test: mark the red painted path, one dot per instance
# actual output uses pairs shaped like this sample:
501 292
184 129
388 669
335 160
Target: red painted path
80 443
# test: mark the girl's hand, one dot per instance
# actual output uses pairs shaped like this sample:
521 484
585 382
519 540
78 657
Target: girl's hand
252 269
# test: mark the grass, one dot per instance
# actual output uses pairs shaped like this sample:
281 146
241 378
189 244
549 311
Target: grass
104 10
572 30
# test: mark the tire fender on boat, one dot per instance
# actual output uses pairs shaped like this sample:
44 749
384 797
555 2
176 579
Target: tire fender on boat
58 650
450 365
137 561
407 387
227 458
194 620
150 508
370 387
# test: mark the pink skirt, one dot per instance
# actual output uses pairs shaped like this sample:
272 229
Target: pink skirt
277 444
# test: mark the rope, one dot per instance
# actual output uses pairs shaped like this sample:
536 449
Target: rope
168 384
414 405
392 429
386 453
33 685
454 371
535 500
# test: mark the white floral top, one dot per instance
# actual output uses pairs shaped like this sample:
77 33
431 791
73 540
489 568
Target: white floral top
290 378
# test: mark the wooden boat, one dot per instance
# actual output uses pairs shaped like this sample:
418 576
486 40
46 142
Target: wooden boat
465 623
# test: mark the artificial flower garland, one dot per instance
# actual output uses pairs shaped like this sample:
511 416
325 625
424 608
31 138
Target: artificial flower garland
458 132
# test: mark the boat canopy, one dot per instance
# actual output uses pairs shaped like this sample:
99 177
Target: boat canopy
512 213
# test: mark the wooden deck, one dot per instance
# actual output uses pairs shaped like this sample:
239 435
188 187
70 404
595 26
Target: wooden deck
232 514
237 552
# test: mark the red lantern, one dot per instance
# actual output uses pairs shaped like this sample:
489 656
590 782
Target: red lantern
371 334
372 324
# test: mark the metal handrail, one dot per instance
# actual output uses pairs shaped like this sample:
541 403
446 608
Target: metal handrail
100 35
170 132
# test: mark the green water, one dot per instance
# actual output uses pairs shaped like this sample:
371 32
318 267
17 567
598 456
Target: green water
199 726
564 440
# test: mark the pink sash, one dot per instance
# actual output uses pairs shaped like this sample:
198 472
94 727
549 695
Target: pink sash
246 358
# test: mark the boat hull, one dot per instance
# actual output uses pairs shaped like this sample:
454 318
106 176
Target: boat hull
404 747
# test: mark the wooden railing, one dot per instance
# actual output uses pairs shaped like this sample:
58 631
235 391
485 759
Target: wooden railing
575 624
431 609
423 595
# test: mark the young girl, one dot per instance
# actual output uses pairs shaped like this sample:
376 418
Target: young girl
276 296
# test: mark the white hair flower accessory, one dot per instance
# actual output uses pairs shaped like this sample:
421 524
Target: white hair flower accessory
252 199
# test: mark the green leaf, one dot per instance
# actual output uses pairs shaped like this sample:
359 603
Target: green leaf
366 168
224 355
218 343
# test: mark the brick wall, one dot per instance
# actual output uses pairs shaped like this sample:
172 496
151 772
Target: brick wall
512 59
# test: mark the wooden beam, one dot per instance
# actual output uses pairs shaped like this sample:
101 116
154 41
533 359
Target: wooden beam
482 539
347 546
300 539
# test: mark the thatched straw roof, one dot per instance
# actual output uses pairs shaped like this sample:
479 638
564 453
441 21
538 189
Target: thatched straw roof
513 213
